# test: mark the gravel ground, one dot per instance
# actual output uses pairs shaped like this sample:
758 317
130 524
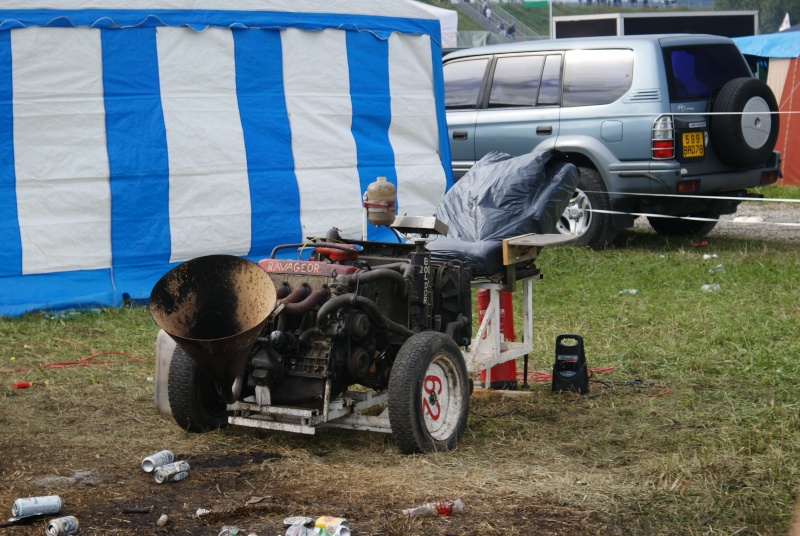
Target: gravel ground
769 213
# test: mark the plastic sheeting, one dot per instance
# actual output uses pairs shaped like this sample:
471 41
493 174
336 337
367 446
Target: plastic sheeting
502 197
135 135
774 45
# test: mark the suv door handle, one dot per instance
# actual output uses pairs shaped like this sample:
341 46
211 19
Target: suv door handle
544 129
459 134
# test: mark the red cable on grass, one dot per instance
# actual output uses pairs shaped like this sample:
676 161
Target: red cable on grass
539 376
82 362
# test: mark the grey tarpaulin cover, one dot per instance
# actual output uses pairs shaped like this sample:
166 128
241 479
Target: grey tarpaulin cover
501 197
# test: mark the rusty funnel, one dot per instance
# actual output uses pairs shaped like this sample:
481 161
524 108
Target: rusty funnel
215 307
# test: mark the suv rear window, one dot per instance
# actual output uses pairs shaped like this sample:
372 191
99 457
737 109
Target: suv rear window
697 72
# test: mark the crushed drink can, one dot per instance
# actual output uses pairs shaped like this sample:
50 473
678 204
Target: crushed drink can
301 530
335 526
171 472
62 526
162 457
34 506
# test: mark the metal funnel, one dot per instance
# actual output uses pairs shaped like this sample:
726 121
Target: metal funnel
215 307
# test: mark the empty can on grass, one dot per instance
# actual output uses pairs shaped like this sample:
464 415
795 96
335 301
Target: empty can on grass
171 472
62 526
336 526
162 457
33 506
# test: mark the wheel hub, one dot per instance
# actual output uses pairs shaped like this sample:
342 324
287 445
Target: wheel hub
574 212
577 217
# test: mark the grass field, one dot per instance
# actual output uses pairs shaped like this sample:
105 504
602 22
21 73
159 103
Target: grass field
695 431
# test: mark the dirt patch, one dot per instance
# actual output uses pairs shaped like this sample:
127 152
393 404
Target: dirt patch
73 444
756 220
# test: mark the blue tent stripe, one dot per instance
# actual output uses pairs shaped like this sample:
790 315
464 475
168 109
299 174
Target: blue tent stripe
9 223
368 58
274 195
441 118
200 19
137 149
56 291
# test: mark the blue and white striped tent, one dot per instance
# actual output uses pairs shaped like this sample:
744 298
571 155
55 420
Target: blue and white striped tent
135 135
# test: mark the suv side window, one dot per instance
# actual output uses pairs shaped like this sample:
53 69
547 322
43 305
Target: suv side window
462 83
596 76
696 72
551 81
516 81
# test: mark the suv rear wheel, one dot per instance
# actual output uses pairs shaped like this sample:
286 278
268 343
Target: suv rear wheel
593 229
678 227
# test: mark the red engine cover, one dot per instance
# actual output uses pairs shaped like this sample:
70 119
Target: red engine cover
336 254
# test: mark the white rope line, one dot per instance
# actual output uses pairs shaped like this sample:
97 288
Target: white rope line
719 197
568 116
695 218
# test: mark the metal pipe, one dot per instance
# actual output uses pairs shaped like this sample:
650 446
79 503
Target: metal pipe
300 293
360 278
370 307
458 323
306 305
282 291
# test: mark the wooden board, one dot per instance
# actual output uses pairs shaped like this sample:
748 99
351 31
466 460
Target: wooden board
525 247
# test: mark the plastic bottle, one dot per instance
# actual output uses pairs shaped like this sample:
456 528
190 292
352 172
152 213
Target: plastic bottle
433 509
629 291
710 288
380 202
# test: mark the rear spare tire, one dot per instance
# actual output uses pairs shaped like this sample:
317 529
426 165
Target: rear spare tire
428 394
745 131
195 399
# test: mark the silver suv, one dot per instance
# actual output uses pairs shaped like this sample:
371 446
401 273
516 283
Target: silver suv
655 124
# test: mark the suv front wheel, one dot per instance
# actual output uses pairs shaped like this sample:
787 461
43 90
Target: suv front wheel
581 219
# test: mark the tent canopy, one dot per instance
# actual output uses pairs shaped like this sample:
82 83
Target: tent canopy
783 52
774 45
138 134
448 19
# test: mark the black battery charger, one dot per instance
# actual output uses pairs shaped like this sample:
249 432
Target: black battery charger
569 370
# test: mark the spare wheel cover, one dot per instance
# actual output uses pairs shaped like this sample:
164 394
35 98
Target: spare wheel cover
744 128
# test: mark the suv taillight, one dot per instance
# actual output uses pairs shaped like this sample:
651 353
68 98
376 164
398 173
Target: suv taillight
664 138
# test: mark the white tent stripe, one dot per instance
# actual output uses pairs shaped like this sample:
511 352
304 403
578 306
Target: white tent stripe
413 131
61 163
208 165
317 89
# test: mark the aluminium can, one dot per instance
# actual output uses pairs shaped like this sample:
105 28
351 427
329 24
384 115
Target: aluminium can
171 472
336 526
33 506
162 457
62 526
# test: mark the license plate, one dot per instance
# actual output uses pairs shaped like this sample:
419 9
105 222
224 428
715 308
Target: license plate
693 146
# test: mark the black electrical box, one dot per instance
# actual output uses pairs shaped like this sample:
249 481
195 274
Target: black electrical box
569 370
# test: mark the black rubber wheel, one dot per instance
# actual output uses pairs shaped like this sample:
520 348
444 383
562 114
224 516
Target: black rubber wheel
676 227
428 394
593 229
195 399
745 135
